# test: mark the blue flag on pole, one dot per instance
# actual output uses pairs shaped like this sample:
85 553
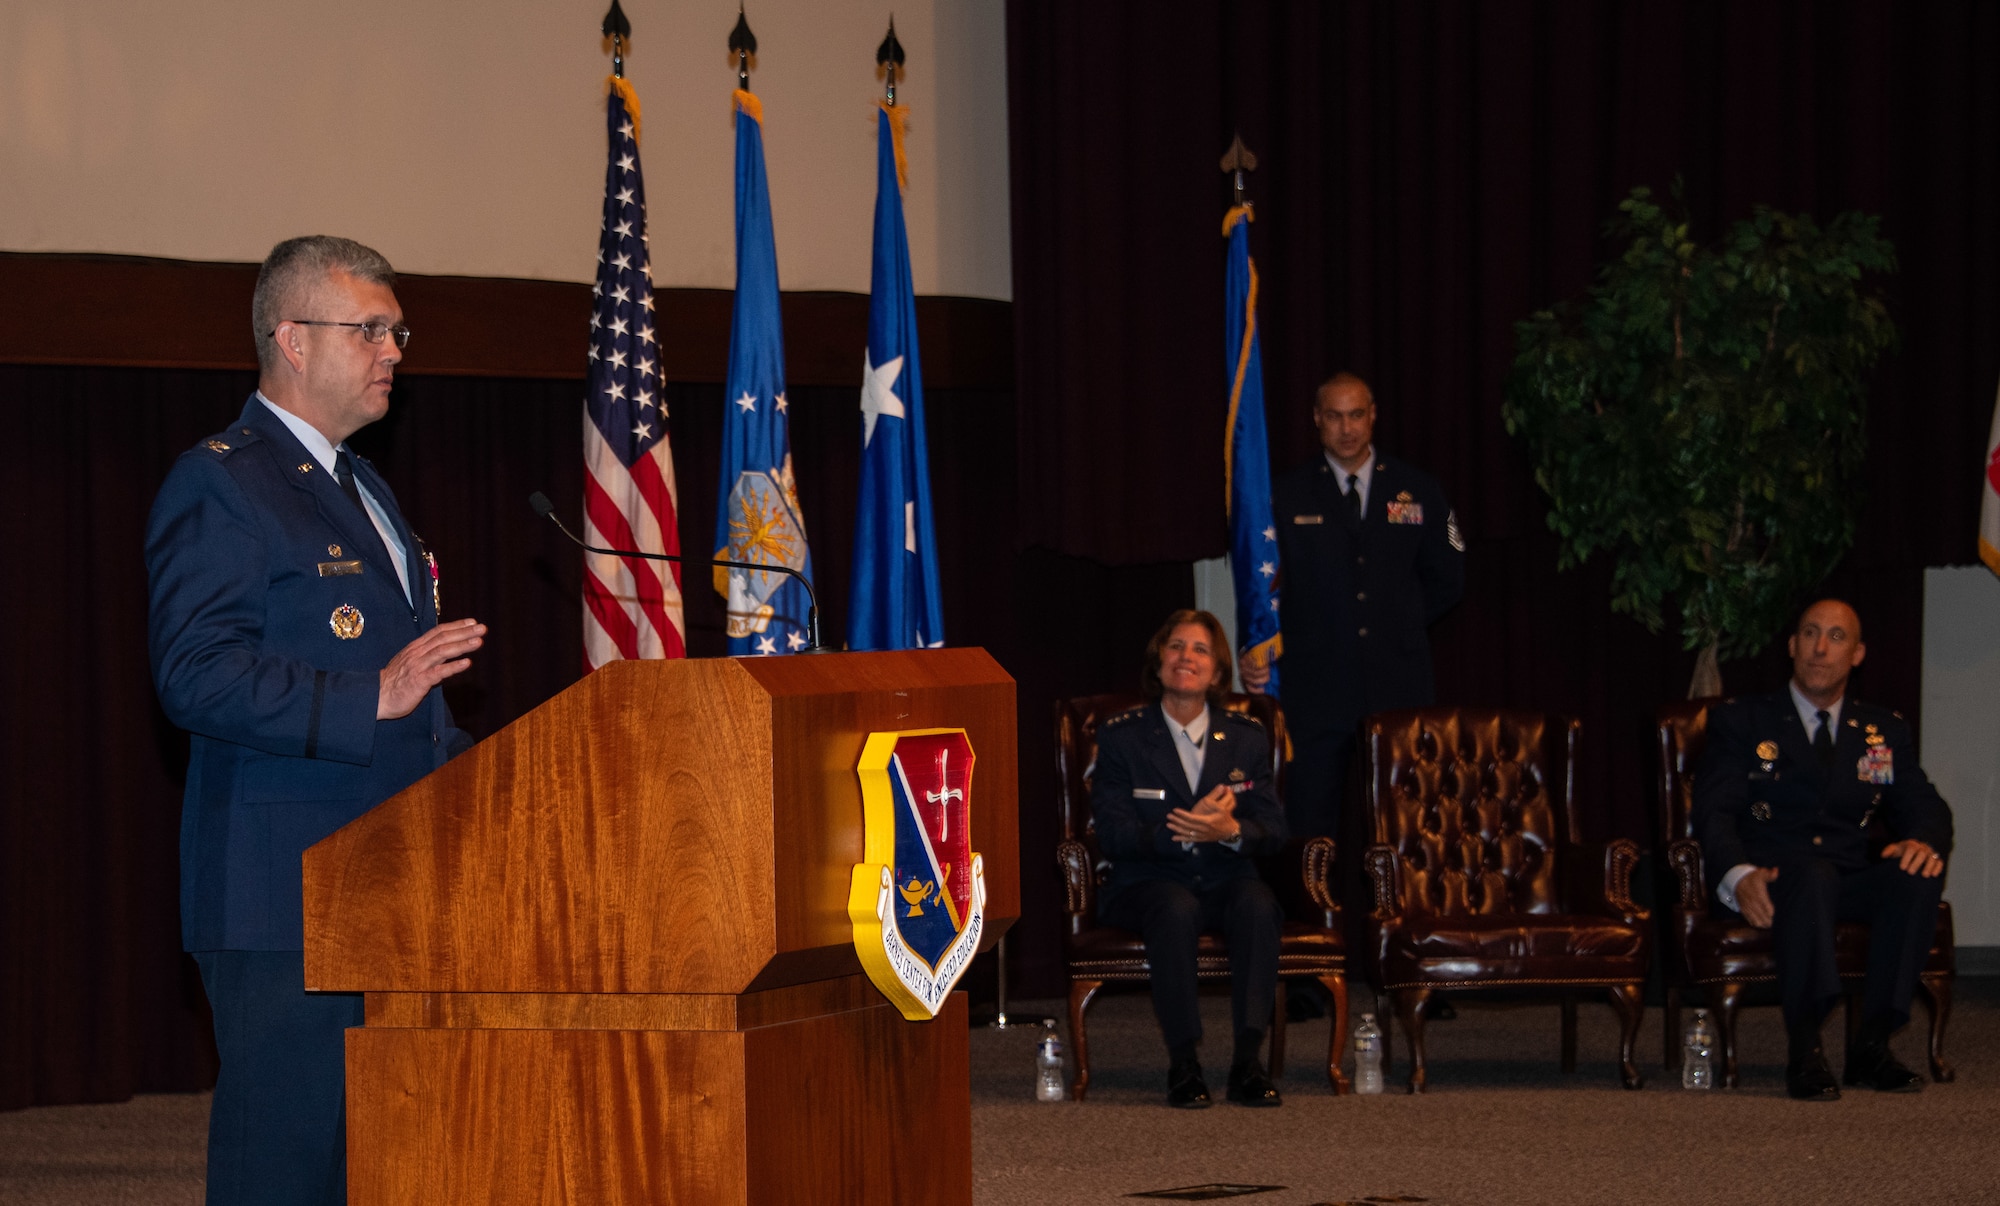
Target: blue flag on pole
1253 533
757 514
895 601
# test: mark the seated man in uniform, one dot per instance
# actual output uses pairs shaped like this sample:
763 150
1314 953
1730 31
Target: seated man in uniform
1183 798
1785 792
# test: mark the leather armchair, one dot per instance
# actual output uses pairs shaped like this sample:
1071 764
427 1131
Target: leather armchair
1311 944
1722 957
1477 882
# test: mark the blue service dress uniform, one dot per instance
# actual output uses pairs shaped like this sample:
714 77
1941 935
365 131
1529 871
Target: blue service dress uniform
1359 599
274 606
1763 797
1172 893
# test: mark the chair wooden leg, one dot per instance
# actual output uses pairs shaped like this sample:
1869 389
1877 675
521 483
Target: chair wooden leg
1937 1002
1630 1002
1384 1008
1569 1033
1080 993
1727 997
1670 1032
1278 1036
1410 1004
1336 1043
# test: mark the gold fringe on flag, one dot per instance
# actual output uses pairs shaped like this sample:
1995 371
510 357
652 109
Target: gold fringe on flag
747 102
624 89
899 119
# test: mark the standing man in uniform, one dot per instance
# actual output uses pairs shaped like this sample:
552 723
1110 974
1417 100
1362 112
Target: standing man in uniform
294 634
1787 787
1371 557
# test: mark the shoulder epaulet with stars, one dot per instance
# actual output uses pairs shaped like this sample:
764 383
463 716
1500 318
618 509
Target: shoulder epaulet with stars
1235 717
1122 717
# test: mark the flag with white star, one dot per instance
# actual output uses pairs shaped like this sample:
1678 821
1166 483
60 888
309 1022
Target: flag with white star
757 516
632 607
895 602
1253 532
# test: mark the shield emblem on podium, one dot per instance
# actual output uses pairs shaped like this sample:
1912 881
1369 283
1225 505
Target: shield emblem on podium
918 901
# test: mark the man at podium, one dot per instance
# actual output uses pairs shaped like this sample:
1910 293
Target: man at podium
294 634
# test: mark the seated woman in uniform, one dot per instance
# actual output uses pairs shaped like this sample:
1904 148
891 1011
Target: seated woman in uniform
1184 801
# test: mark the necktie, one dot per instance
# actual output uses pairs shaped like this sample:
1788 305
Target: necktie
1354 497
1823 739
343 468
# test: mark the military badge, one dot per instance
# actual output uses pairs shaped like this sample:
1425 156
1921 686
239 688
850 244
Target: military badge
346 621
1767 751
918 902
1403 509
217 446
1761 810
1877 766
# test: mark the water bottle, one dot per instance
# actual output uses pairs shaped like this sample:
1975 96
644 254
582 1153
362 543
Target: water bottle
1049 1066
1367 1056
1697 1054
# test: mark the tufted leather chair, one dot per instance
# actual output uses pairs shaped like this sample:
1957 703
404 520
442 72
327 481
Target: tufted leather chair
1311 943
1476 882
1723 957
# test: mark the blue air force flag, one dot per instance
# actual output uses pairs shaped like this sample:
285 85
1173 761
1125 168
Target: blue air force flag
757 514
894 603
1253 534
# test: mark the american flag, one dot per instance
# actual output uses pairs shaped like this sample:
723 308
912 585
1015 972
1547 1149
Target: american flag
632 608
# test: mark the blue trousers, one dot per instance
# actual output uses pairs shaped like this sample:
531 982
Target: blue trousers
1172 918
1810 895
277 1131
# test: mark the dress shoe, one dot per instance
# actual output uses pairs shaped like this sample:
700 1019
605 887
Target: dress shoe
1809 1079
1248 1085
1186 1090
1877 1067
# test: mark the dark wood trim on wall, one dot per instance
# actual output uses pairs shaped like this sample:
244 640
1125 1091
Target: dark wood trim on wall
152 313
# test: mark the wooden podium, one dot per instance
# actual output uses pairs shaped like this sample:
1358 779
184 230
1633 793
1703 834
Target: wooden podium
607 955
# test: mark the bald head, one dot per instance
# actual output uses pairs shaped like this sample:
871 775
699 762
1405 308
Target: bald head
1825 649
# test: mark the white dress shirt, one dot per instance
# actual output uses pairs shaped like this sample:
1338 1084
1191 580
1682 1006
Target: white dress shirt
1362 476
326 454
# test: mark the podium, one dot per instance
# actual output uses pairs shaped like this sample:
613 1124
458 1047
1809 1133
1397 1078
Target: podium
607 956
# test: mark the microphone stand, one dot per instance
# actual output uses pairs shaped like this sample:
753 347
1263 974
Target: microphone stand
547 510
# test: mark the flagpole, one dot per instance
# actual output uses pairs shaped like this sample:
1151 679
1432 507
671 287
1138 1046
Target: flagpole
890 55
744 43
619 30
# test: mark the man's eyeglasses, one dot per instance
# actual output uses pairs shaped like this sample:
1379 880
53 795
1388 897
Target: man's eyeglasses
370 331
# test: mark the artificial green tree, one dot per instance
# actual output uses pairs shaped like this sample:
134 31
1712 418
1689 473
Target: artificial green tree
1698 416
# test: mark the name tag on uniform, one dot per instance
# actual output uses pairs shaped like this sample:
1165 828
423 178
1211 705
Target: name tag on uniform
1877 766
337 569
1308 519
1149 793
1400 511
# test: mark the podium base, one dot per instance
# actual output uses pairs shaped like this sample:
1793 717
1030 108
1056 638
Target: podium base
506 1099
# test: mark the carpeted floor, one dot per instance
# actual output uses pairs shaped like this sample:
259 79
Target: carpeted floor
1500 1124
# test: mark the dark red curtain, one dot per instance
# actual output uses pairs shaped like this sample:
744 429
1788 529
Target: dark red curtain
1430 173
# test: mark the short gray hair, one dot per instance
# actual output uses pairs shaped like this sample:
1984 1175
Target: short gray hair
294 269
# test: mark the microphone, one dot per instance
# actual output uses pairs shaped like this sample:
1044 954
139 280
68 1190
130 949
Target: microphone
547 510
